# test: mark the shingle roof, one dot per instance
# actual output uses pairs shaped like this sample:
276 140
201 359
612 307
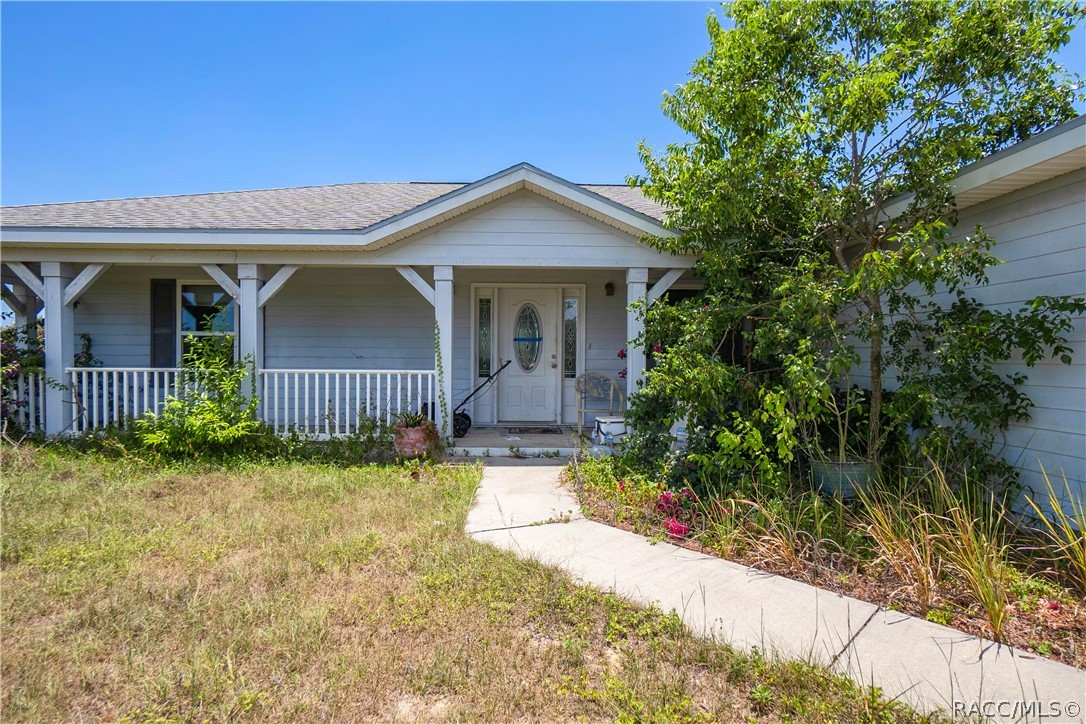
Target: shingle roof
339 207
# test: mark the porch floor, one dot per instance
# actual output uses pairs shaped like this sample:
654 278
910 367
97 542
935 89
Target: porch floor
499 442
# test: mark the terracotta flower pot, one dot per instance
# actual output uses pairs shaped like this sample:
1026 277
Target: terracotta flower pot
412 442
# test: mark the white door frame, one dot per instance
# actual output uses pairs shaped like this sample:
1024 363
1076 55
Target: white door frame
495 320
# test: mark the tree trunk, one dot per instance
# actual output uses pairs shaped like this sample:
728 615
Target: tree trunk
874 433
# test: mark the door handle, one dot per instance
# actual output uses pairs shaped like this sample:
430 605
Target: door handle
553 365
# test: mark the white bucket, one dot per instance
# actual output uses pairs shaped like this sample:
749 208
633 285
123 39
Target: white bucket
609 429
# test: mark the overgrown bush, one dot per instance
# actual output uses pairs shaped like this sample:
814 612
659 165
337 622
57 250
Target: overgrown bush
210 412
816 191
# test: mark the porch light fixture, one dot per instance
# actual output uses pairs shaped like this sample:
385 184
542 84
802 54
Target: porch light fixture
609 288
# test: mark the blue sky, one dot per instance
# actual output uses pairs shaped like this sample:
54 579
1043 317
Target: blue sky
109 100
133 99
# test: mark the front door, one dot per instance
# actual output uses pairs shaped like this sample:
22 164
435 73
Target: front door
528 323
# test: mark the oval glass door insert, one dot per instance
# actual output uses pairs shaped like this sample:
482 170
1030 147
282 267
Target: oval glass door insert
527 337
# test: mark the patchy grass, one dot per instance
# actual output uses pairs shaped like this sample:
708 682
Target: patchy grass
311 592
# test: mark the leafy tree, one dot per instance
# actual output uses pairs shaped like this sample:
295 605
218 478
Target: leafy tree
816 189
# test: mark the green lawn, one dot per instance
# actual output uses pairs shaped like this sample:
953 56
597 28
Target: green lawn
313 592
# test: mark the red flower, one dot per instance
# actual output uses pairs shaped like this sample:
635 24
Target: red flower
622 485
1053 605
675 529
622 353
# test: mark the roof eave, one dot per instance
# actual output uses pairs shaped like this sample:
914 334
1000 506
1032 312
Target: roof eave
1055 152
384 233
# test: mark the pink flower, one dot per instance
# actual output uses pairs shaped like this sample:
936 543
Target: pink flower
668 502
622 353
622 374
657 348
675 529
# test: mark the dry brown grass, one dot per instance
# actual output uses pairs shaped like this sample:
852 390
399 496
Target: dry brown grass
315 593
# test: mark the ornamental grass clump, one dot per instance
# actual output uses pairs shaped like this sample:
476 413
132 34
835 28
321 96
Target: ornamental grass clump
974 542
724 531
905 537
1065 529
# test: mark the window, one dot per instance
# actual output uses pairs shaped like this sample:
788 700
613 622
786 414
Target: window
483 320
205 311
528 337
569 337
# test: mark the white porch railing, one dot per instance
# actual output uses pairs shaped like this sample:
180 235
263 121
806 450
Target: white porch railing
319 402
25 401
332 402
105 396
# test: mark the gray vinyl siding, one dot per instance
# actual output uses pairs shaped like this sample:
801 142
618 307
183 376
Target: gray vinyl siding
349 318
1041 238
1040 234
525 230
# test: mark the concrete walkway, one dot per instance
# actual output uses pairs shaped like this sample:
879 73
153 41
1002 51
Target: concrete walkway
521 507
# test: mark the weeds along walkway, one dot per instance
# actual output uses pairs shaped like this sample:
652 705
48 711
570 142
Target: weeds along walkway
521 507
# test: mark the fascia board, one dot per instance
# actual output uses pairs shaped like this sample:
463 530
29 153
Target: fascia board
1031 153
1045 150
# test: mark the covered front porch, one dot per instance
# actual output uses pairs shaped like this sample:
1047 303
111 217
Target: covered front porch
349 303
435 332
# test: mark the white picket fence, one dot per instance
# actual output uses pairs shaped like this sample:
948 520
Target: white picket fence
25 401
314 402
333 402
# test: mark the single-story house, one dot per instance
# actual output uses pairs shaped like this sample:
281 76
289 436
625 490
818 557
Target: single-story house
376 297
367 297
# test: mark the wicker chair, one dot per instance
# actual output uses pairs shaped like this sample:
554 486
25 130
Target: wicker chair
598 392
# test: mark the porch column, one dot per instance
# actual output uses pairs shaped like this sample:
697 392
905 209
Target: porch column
443 315
59 345
637 279
251 331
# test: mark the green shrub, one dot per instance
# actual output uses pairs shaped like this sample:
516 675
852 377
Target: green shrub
209 413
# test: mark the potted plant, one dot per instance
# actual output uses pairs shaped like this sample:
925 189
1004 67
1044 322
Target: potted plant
838 466
415 435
